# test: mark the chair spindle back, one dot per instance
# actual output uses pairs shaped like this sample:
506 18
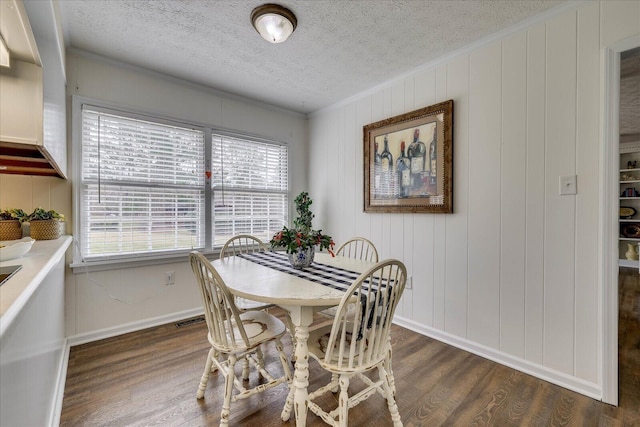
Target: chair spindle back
242 244
359 335
223 319
359 248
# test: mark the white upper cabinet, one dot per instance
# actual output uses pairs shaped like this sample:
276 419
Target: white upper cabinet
32 91
21 103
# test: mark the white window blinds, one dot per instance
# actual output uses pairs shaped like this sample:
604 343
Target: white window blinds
250 185
142 186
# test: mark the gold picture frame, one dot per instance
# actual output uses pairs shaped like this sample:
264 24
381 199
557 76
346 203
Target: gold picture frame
408 162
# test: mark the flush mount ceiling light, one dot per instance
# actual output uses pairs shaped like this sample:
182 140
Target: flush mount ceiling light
274 22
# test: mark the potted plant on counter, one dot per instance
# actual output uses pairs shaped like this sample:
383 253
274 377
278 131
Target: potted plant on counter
301 240
11 223
46 225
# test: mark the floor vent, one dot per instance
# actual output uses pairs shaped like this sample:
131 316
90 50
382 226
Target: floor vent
191 321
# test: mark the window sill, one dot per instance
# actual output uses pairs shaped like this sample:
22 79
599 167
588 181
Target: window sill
142 261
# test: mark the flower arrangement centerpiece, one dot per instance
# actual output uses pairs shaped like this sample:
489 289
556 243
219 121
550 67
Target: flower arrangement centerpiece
11 223
301 240
46 225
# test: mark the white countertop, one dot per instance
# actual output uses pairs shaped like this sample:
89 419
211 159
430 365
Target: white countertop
36 264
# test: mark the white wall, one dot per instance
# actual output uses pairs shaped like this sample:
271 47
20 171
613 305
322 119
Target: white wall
512 274
107 302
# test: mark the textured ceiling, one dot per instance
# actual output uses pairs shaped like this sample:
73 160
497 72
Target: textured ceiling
339 49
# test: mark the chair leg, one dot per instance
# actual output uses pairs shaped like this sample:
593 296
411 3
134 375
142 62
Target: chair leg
391 401
245 368
335 379
291 328
205 374
228 391
292 333
343 402
283 360
260 357
387 366
214 367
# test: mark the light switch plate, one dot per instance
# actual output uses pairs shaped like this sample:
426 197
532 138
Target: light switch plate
568 185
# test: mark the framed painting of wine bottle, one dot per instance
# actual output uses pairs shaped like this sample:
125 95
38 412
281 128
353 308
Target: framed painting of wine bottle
408 162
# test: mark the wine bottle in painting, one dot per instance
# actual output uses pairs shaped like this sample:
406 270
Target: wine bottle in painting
403 170
417 153
377 169
433 152
387 169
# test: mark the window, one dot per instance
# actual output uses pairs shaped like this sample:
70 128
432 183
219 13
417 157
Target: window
250 184
142 186
144 191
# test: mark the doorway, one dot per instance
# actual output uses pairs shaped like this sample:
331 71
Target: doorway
618 118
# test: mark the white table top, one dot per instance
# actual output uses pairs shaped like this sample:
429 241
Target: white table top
249 280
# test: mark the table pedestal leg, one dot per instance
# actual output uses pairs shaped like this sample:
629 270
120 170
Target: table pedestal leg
297 398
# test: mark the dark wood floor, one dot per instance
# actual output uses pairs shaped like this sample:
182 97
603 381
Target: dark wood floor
150 377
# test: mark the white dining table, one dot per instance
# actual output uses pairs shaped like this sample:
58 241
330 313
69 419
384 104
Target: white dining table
299 296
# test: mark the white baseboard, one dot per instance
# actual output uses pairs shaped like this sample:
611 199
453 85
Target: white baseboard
61 380
559 378
132 327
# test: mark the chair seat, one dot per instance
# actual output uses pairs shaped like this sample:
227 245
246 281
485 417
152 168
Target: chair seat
318 342
260 327
331 311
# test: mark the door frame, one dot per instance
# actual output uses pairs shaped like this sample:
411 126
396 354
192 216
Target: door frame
609 206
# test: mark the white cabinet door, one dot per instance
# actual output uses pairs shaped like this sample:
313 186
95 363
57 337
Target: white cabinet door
21 103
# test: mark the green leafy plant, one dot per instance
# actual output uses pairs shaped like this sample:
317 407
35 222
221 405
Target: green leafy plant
302 235
40 214
13 214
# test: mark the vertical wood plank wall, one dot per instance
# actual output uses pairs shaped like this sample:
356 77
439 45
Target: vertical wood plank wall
514 270
29 192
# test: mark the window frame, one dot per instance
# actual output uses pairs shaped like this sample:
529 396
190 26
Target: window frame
79 264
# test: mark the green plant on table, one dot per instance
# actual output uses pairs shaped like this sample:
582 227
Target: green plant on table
302 236
40 214
13 214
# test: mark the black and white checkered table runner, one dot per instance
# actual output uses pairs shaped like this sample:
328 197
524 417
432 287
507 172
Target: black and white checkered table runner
327 275
334 277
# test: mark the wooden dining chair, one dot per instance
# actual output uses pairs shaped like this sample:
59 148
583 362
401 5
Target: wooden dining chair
359 248
235 336
356 248
243 244
359 341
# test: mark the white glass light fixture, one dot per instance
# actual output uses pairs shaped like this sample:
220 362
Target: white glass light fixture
274 22
4 54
